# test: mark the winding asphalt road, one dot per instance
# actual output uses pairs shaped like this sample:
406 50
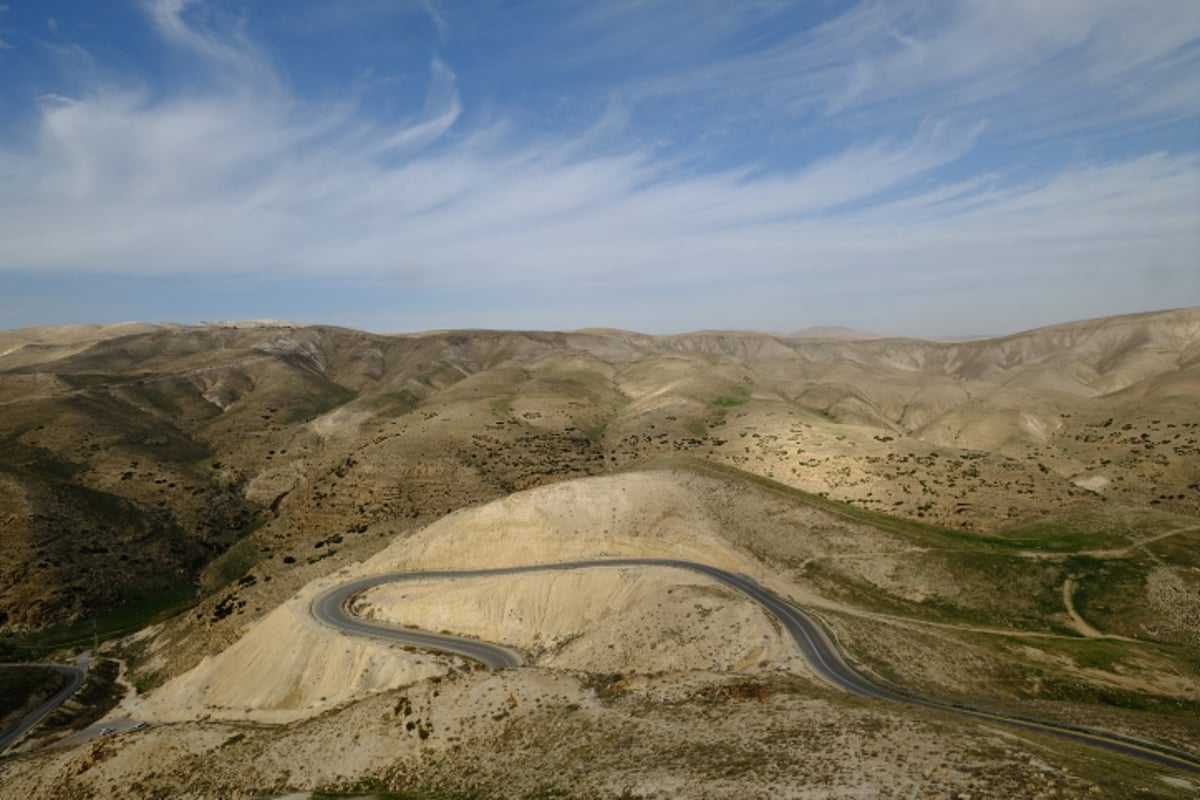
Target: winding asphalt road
74 676
815 642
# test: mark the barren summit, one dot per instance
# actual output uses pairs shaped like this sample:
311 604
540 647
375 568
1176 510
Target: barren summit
1009 523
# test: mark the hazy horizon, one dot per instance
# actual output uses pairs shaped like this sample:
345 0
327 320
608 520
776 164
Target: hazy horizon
814 331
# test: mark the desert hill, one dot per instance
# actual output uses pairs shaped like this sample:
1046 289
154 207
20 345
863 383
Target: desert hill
642 682
834 332
1010 522
198 433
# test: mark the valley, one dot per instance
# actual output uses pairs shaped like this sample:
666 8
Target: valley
1010 523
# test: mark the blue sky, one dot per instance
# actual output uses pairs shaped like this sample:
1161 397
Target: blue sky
908 166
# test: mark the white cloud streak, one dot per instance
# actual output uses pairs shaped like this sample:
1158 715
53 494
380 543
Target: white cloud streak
229 52
1068 64
442 110
117 184
251 181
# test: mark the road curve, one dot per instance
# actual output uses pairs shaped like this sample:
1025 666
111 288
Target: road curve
816 644
74 676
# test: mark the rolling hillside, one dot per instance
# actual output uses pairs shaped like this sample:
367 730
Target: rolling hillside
141 453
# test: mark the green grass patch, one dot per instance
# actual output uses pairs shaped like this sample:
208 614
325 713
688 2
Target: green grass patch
917 532
596 427
1004 592
1050 536
319 400
1112 594
1179 550
231 565
720 407
575 387
91 380
440 376
119 619
141 431
103 505
21 418
154 396
1066 533
1101 654
56 468
1052 687
1085 530
1107 527
18 457
393 404
989 582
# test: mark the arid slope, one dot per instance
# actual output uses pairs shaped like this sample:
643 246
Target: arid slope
645 682
143 452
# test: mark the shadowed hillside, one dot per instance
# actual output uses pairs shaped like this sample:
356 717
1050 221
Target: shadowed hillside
1008 523
132 456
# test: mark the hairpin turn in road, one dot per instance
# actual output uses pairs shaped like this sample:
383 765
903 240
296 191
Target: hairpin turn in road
813 638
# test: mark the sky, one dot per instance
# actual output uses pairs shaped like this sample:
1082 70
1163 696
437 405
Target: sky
914 167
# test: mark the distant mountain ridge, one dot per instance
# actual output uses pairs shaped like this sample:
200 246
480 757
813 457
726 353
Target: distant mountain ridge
834 332
132 455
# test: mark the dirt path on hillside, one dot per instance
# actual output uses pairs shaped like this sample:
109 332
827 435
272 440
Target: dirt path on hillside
1168 534
1077 621
1118 552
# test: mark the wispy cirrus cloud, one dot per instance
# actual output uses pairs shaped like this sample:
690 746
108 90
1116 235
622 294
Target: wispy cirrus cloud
1065 65
238 176
442 109
3 44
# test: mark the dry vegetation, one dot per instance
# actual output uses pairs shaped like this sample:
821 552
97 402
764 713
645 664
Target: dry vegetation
23 689
1009 522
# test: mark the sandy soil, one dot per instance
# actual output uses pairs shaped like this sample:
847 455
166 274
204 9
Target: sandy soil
530 732
643 682
287 666
599 620
649 682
